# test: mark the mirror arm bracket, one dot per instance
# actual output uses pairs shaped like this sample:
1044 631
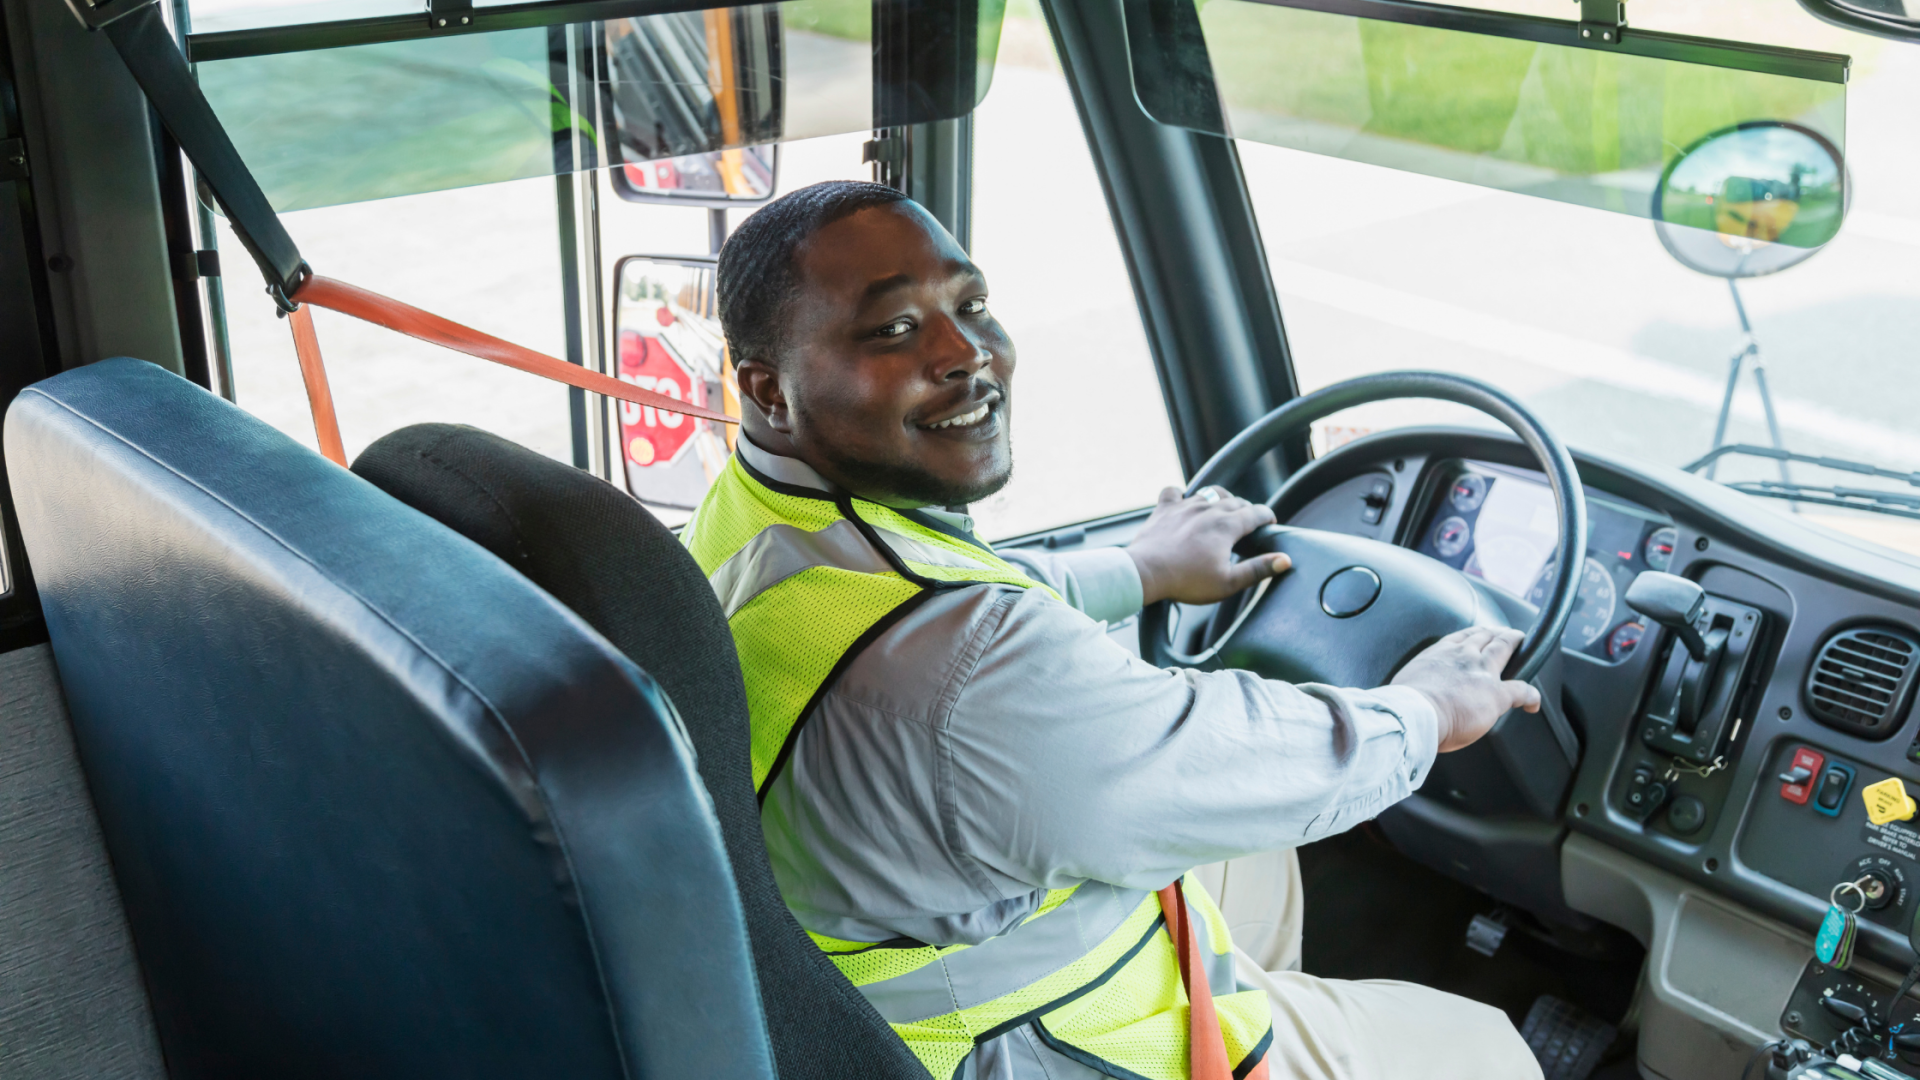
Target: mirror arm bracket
1602 21
449 14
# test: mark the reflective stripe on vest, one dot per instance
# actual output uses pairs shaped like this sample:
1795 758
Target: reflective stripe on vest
807 581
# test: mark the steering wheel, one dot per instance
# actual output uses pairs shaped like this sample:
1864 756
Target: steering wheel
1351 611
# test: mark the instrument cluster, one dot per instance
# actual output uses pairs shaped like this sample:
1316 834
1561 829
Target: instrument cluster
1497 523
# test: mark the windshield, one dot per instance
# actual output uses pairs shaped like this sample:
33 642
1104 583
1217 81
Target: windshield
392 118
1620 336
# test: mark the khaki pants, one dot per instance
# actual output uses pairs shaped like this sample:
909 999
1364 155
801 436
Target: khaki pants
1375 1029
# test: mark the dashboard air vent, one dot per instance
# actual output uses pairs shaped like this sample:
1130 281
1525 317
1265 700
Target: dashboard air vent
1862 678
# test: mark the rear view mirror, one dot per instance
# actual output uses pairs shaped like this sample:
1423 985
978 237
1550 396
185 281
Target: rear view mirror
667 338
1752 199
684 93
719 178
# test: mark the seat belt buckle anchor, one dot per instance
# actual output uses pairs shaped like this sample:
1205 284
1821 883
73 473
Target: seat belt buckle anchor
283 294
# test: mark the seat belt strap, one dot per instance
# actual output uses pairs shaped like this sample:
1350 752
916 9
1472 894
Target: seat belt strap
147 48
313 372
1206 1042
316 291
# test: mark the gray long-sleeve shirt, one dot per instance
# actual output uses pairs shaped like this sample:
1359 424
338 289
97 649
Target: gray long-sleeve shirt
997 743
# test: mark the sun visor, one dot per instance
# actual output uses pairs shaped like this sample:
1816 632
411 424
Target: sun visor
425 111
1592 113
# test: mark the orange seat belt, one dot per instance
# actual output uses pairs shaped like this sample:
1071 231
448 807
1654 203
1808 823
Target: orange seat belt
1206 1042
426 326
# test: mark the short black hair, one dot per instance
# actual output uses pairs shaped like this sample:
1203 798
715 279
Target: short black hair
757 272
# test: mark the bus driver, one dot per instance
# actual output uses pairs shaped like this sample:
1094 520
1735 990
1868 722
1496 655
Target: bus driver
970 793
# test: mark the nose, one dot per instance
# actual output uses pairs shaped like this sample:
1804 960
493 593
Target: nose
956 353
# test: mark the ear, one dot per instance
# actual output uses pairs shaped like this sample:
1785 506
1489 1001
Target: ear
760 384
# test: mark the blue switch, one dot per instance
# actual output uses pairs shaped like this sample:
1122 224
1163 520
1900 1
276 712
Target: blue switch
1835 781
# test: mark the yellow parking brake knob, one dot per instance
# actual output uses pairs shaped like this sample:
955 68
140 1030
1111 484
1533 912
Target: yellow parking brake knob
1887 801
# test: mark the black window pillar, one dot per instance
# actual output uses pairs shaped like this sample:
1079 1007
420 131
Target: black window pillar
1192 244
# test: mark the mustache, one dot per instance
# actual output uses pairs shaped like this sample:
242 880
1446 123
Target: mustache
976 392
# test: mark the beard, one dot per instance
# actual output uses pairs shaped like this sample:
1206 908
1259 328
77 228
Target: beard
910 483
904 481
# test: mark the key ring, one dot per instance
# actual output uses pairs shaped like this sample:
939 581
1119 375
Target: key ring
1833 896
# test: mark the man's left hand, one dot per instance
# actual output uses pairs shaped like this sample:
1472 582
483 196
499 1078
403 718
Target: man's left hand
1185 550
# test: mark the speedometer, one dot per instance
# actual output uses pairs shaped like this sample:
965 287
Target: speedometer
1593 608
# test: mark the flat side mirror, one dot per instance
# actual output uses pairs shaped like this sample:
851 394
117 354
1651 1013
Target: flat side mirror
667 338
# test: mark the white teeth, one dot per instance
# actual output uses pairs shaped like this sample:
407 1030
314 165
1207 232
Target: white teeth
965 419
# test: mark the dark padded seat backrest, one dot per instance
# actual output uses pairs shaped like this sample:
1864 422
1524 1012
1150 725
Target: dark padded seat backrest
602 554
377 806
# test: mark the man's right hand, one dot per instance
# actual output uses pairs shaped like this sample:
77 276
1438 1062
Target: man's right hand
1460 674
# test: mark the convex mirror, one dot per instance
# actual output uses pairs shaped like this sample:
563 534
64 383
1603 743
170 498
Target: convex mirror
667 339
1752 199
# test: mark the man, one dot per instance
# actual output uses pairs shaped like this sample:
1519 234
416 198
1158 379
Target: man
976 802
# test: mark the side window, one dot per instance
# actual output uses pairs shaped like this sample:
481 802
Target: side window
502 276
486 256
1090 431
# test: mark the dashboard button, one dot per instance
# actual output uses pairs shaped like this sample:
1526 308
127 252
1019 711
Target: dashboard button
1687 814
1379 496
1796 784
1834 784
1644 794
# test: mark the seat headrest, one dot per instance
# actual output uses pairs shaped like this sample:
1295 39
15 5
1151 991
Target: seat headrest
377 805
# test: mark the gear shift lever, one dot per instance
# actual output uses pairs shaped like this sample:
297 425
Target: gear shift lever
1673 602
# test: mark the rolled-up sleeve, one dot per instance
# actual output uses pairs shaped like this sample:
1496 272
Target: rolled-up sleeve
1068 758
1102 582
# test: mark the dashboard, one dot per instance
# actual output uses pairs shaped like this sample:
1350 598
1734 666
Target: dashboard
1717 844
1828 635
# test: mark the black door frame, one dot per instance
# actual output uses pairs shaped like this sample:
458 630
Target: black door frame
1192 245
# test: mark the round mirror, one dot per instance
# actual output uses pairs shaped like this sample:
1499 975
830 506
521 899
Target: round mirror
1752 199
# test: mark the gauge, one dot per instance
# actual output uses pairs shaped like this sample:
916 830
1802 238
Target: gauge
1659 547
1468 493
1624 638
1592 609
1451 537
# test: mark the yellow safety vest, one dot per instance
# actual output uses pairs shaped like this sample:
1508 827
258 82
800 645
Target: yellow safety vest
808 579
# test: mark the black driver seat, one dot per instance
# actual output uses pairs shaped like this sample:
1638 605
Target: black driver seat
600 553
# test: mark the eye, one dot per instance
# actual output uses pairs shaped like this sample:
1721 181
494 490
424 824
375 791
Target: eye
894 329
975 306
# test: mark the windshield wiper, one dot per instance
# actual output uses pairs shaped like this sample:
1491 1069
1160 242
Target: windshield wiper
1879 502
1840 464
1874 501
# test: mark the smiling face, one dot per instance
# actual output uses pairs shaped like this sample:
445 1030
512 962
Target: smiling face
893 380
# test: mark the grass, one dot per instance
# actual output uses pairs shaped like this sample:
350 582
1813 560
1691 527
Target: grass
1575 111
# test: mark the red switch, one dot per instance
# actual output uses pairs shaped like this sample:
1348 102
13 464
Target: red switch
1796 784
